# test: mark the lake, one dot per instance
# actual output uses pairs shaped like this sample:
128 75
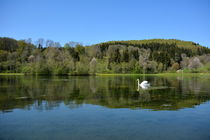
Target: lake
104 108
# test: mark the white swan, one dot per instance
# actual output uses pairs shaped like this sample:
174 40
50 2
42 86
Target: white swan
144 84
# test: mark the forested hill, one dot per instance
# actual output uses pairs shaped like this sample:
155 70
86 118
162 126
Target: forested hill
133 56
194 48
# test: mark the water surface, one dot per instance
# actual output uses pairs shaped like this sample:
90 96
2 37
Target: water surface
101 108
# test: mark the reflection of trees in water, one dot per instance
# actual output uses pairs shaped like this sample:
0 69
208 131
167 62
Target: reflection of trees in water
93 84
45 105
144 96
194 85
44 93
72 105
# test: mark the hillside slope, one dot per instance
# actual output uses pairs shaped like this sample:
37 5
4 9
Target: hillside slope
196 48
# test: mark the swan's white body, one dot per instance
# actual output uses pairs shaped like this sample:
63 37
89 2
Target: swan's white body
144 84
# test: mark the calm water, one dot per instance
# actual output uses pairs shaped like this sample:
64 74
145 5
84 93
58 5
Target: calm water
104 108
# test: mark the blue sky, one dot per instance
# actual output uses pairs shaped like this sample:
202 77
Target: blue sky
94 21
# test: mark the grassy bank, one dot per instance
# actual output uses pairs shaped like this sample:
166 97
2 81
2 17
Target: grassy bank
127 74
11 73
157 74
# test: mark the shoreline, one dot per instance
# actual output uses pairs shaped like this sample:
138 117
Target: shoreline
12 74
115 74
155 74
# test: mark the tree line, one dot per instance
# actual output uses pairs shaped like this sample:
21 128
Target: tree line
134 56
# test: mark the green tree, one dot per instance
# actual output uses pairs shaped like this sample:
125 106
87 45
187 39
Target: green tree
93 64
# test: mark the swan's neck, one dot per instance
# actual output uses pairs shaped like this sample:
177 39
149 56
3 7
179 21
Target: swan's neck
138 81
